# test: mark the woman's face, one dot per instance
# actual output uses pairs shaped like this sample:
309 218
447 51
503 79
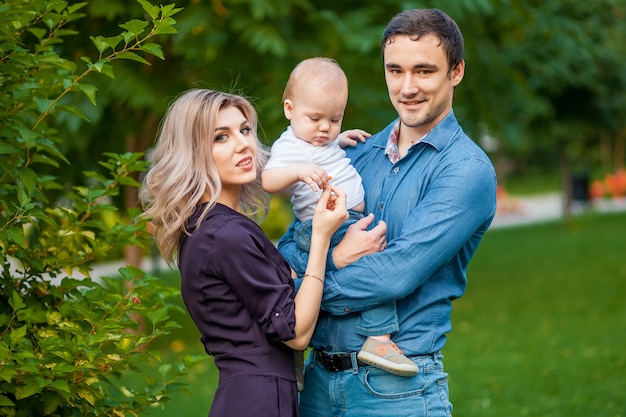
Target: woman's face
234 153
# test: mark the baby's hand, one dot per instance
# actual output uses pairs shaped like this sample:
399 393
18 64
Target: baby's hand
313 175
350 137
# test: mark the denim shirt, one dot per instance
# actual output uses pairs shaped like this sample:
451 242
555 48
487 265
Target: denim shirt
438 201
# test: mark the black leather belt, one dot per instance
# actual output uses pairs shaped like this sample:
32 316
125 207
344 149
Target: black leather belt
335 362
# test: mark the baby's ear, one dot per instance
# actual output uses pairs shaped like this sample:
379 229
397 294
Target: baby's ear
288 108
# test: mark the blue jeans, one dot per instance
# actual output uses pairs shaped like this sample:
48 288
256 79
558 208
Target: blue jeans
371 392
374 322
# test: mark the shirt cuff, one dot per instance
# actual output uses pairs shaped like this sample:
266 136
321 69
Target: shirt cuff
281 325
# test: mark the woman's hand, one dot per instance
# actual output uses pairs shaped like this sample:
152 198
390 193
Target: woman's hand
330 212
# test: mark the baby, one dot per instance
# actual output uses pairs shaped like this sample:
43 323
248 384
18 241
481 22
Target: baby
304 159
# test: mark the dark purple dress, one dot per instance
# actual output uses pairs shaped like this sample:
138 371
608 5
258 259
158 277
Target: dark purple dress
239 292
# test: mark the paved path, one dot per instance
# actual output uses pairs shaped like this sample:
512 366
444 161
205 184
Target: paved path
518 211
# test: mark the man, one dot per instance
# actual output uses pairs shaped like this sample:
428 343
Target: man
432 191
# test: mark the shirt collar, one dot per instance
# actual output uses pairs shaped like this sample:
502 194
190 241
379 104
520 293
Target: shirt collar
438 137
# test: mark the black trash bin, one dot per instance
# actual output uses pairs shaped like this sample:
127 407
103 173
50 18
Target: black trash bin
580 188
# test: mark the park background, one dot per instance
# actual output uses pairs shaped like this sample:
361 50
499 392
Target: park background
541 330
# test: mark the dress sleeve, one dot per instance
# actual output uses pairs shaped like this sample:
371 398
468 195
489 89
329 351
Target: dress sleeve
259 276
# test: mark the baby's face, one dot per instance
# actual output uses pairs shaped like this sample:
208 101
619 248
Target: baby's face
316 114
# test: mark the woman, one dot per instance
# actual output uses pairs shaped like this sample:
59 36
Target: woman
199 194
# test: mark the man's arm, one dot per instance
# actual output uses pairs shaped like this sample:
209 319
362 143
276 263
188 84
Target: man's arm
360 243
452 216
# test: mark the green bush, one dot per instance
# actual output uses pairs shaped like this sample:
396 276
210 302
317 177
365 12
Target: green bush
67 345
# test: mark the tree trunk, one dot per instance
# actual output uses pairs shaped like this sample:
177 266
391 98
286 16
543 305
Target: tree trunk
566 177
605 152
619 152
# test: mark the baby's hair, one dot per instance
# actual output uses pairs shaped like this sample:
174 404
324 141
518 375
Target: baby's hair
318 71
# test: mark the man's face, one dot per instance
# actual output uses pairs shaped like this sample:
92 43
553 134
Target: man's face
420 88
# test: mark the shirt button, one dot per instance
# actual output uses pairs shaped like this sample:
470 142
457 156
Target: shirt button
380 205
346 310
396 170
277 315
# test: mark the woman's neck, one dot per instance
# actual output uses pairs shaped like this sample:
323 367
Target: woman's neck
230 199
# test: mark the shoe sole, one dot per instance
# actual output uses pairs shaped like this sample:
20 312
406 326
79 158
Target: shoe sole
396 369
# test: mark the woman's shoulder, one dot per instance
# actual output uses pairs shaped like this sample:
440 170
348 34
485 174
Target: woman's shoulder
227 223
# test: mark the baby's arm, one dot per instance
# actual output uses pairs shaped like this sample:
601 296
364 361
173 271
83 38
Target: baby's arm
275 180
350 137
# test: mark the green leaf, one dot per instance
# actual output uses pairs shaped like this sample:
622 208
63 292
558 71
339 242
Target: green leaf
16 235
170 10
7 373
17 335
65 32
74 7
5 401
51 402
5 148
89 90
87 394
23 197
103 67
132 56
30 137
165 26
4 353
103 43
38 32
32 387
152 10
153 49
135 27
17 303
158 315
28 178
61 385
42 104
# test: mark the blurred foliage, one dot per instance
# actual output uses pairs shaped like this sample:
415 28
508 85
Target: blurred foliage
66 342
544 80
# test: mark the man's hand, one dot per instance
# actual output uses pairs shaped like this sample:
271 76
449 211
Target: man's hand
359 241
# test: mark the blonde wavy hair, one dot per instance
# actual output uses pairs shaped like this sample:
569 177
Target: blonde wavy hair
183 168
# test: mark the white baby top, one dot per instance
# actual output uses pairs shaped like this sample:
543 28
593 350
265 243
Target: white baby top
289 150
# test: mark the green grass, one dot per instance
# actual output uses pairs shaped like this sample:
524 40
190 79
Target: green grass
541 331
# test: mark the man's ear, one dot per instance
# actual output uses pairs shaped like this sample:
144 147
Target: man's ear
456 76
288 108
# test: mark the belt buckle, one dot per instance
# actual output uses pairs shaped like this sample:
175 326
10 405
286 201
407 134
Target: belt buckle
331 361
335 364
